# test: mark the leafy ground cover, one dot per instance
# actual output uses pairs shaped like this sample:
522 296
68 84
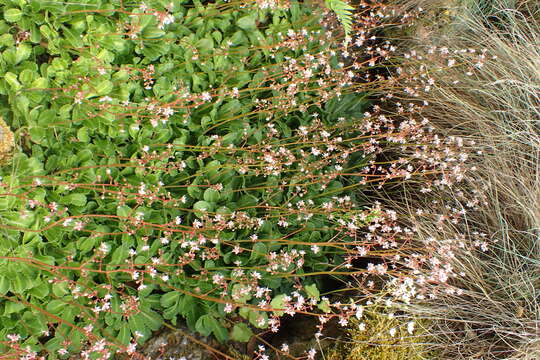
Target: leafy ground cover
183 159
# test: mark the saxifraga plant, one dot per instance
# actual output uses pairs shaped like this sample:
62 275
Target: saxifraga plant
174 161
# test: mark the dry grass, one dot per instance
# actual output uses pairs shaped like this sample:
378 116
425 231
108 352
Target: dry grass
498 315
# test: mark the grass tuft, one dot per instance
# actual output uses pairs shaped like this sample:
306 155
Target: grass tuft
496 313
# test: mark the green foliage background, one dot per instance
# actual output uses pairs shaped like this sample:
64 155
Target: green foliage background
87 97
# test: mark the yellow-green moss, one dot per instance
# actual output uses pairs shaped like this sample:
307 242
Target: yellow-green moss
6 142
375 342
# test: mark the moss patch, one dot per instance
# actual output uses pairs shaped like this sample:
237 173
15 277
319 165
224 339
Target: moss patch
381 337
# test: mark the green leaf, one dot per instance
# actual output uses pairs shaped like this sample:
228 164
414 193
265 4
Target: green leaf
247 201
37 134
104 87
204 325
277 303
60 289
76 199
7 40
259 251
212 169
4 285
35 322
152 319
86 244
27 76
11 79
247 22
10 56
40 291
54 345
55 307
211 195
21 283
13 15
170 298
170 314
241 332
119 255
22 53
72 37
220 332
312 291
136 323
324 306
22 103
152 33
13 307
40 83
123 211
194 191
208 324
205 45
82 135
201 207
124 335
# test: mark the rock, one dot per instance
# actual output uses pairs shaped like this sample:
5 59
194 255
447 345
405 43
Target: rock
180 344
7 142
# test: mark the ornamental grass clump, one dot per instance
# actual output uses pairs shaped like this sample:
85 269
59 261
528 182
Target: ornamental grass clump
475 254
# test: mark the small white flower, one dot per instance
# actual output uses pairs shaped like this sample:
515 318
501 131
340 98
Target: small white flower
13 337
104 248
206 96
105 98
131 348
410 327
